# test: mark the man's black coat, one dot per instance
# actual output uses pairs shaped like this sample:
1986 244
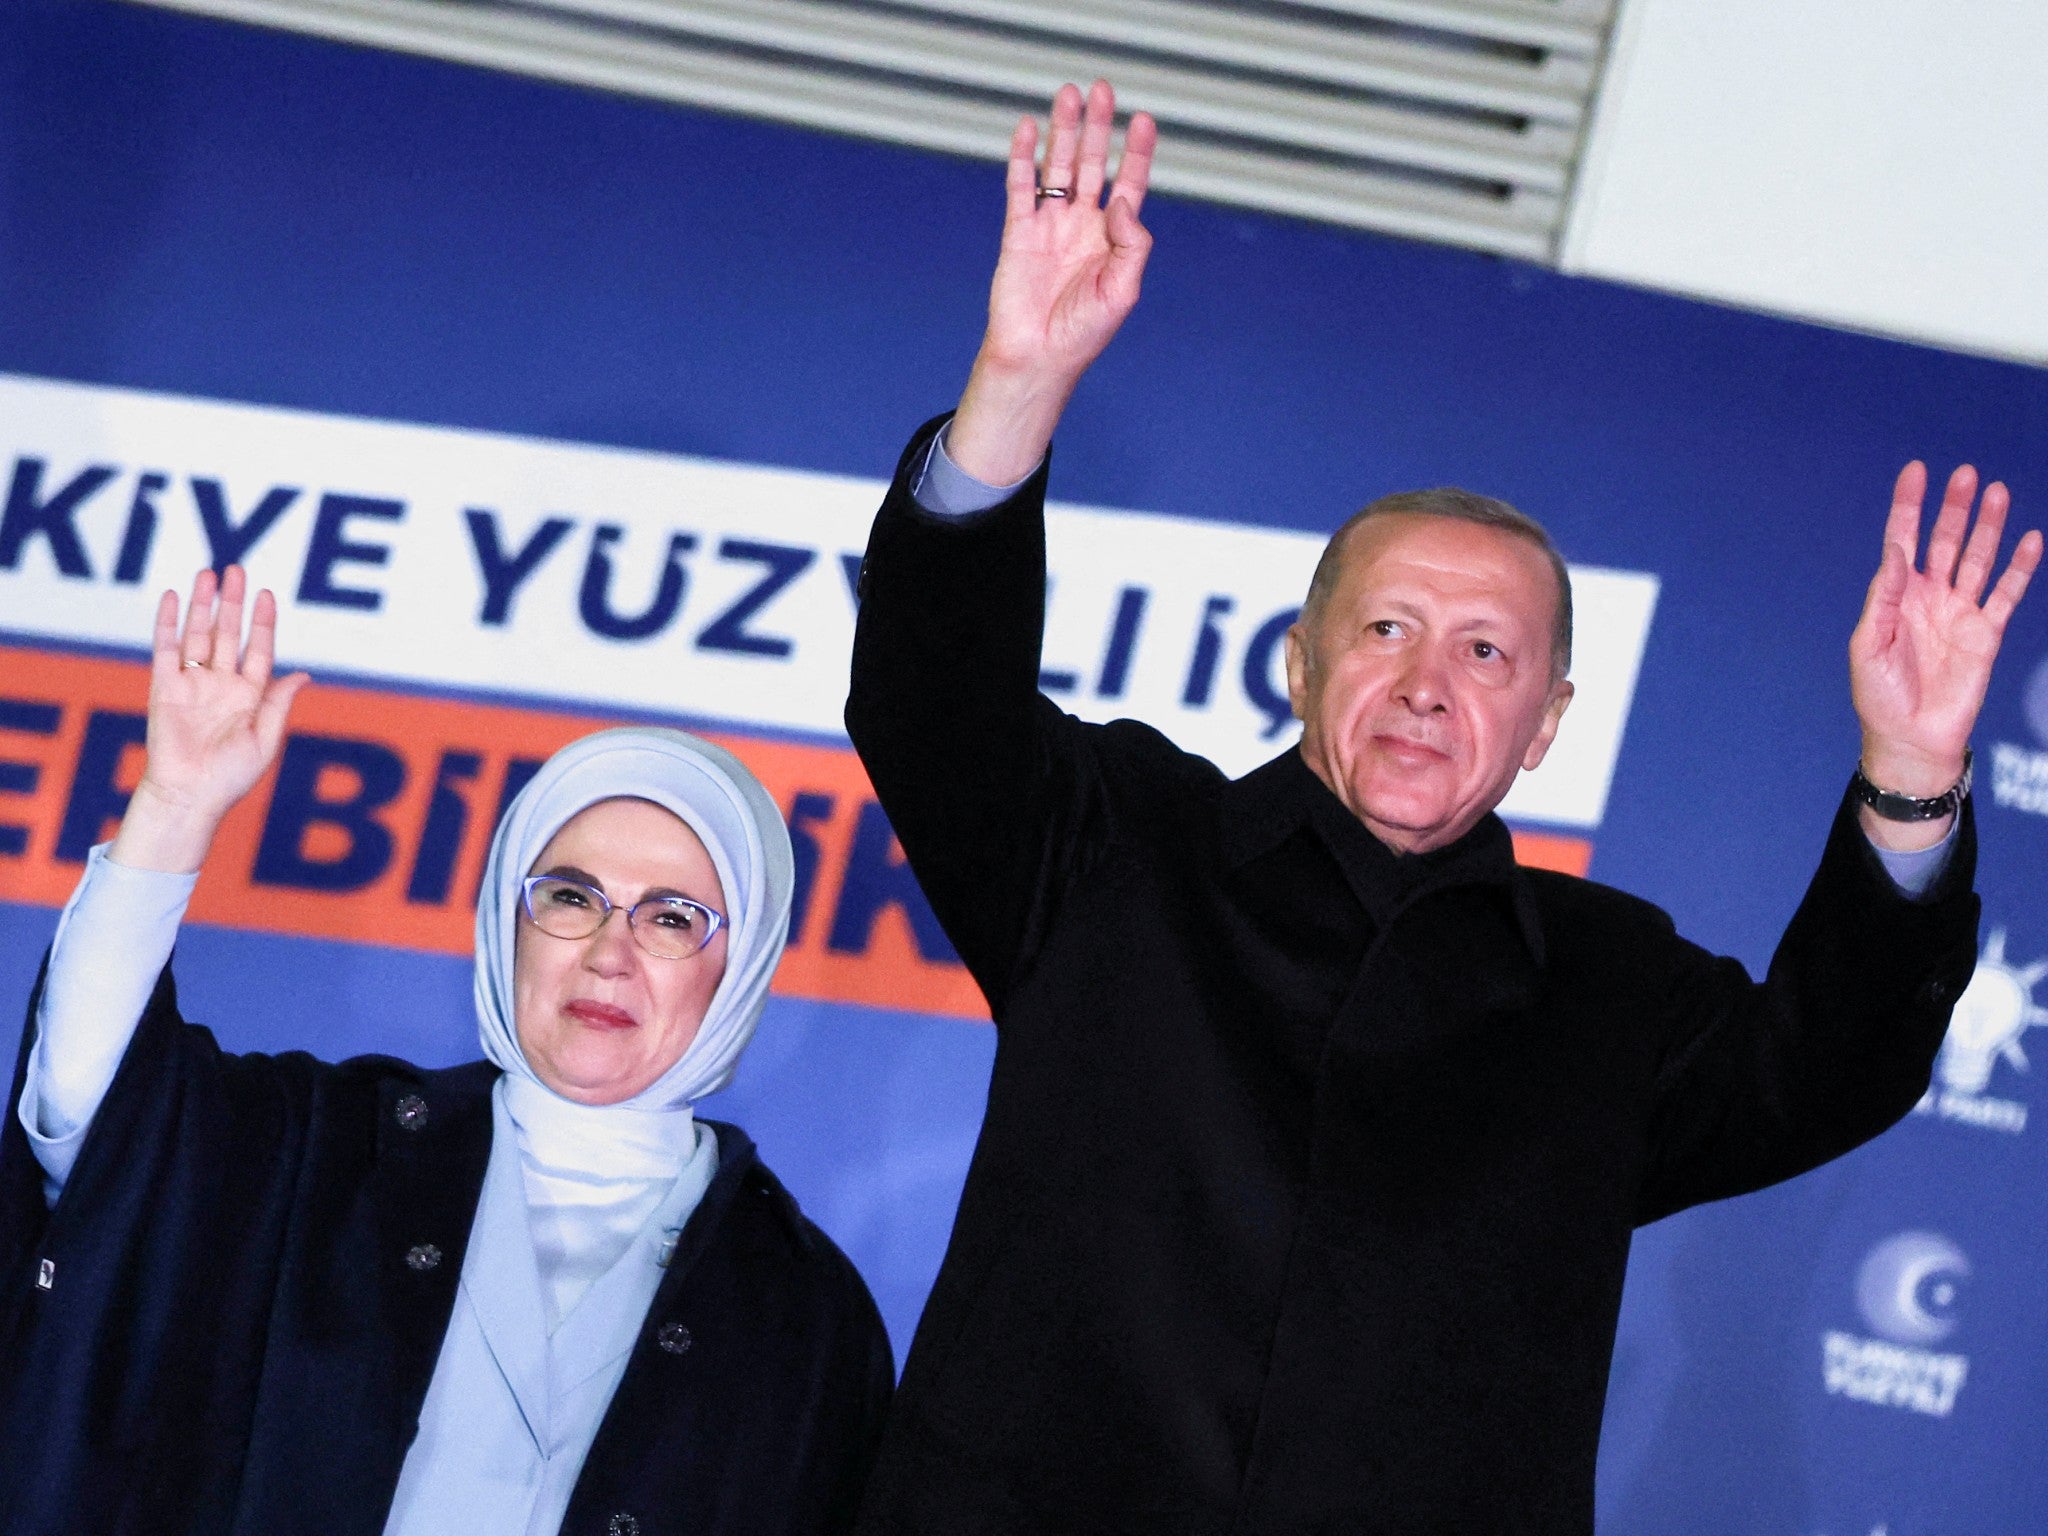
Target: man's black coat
1308 1174
232 1338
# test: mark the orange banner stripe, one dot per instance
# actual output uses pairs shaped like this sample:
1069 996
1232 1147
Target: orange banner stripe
374 825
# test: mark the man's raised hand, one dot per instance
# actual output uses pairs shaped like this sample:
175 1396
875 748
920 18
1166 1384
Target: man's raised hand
1068 274
216 720
1920 659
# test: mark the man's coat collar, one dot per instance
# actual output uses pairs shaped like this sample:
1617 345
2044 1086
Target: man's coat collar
1272 802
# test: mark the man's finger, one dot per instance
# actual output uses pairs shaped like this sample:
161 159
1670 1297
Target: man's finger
1130 243
1096 124
1134 170
1980 555
2012 586
1945 543
1881 604
1066 137
1020 181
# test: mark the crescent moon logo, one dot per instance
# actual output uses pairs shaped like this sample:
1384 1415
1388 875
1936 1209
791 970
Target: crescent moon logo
1907 1287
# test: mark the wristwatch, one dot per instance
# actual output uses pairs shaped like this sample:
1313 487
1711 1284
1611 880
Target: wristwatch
1893 806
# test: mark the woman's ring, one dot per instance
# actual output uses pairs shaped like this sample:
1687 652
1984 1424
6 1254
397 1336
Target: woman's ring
191 664
1054 192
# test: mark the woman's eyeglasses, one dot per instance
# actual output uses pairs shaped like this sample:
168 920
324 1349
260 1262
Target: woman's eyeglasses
671 927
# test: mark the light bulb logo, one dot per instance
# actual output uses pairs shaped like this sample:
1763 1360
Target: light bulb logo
1994 1011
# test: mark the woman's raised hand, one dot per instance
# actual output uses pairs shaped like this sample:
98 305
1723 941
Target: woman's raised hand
216 720
1067 277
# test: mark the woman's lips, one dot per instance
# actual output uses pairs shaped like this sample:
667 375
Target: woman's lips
600 1015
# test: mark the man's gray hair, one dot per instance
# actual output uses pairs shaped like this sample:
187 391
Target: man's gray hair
1466 507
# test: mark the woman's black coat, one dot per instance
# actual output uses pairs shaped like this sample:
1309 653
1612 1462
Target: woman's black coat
229 1321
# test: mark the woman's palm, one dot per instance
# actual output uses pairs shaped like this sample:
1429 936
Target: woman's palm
216 715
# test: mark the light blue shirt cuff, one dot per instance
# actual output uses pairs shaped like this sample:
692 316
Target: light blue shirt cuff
1914 873
944 489
112 940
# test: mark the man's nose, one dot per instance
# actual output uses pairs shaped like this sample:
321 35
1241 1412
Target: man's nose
1420 684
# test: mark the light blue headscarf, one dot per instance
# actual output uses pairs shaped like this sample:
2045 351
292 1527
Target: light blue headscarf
740 827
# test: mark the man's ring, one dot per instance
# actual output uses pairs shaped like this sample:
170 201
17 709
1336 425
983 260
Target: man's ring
1054 192
191 664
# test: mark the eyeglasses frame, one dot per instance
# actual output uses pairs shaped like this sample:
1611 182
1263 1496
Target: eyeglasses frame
717 918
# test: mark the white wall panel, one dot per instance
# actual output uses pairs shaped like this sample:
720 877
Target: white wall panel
1881 164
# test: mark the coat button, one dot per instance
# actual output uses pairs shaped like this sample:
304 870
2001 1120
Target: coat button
422 1257
674 1338
622 1524
1939 991
411 1112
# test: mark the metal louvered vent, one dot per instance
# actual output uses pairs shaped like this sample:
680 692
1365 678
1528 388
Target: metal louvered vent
1449 120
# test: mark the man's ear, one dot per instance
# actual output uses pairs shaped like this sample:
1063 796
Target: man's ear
1553 713
1297 670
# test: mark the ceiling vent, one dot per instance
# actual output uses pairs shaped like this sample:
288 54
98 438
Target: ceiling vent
1448 120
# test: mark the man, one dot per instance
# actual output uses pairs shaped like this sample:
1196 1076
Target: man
1317 1128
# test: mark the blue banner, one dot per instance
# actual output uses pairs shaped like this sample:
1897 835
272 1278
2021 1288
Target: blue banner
617 315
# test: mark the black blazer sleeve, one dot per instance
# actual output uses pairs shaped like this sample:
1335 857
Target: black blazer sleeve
993 790
1767 1080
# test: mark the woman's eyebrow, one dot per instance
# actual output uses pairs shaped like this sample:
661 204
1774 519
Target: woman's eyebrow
585 877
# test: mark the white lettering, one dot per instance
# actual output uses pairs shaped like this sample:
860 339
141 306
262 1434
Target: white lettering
1892 1375
2019 778
1982 1111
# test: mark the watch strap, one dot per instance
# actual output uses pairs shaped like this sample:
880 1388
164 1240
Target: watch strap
1893 806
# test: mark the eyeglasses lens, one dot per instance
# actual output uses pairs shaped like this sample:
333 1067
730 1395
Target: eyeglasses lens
670 928
667 926
564 908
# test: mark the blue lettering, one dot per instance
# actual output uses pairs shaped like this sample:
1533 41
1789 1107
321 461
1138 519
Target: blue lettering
808 810
25 517
850 568
1123 642
594 602
228 541
504 574
297 807
97 798
140 533
1258 672
433 867
32 718
519 772
1208 652
729 632
878 876
330 547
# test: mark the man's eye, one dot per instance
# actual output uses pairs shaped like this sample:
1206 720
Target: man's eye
1386 629
1485 650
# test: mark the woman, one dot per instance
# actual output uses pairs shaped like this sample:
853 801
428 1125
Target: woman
265 1294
